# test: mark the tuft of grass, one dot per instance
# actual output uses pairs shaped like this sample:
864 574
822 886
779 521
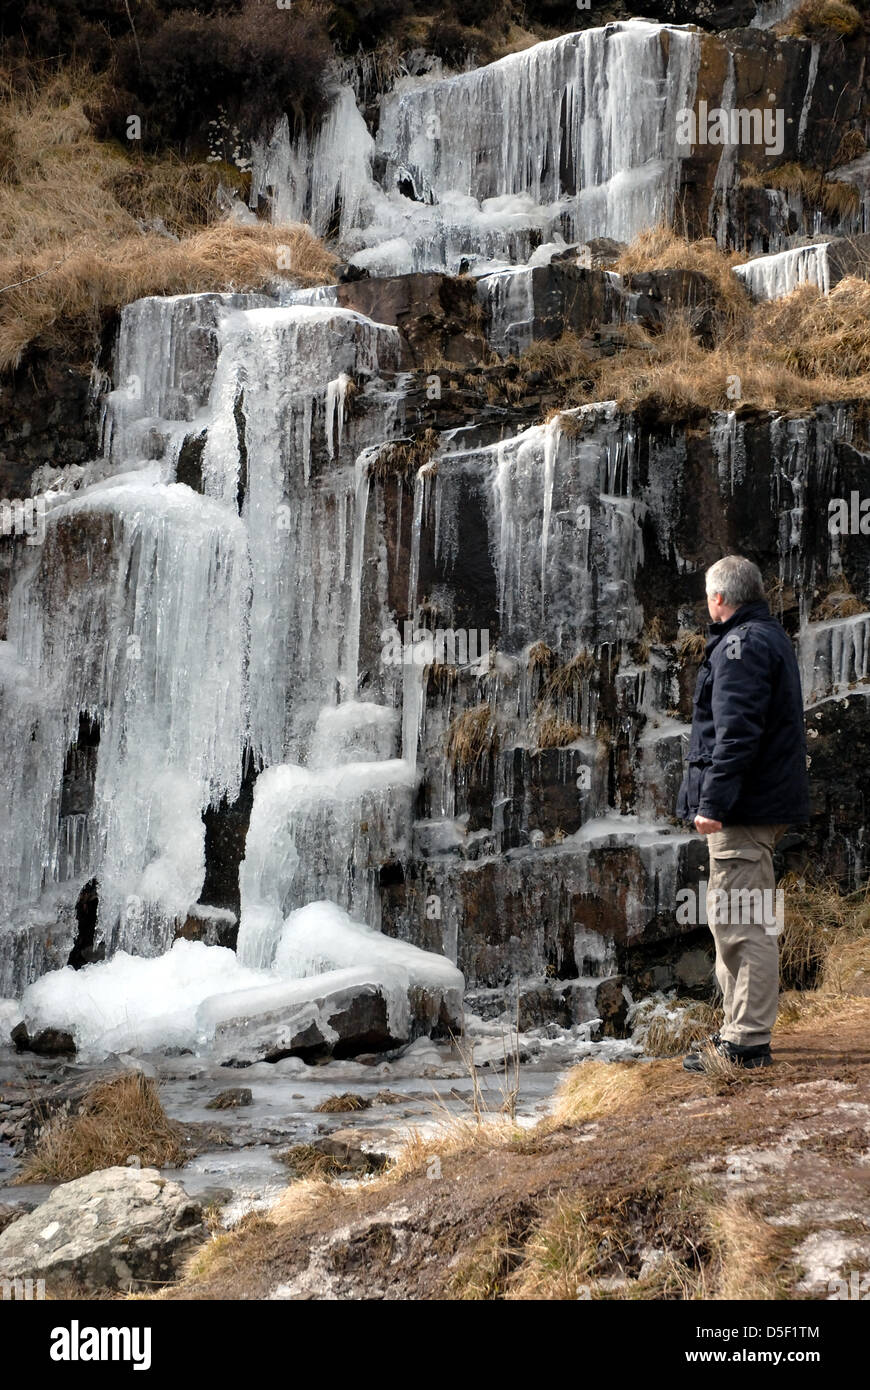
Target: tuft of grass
851 146
558 359
668 1028
227 1251
347 1101
825 941
820 19
472 737
819 335
118 1118
404 458
541 658
748 1255
570 1248
595 1088
566 681
690 647
549 730
660 248
308 1162
483 1273
834 197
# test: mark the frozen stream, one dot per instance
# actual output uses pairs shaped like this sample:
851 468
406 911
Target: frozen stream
243 1172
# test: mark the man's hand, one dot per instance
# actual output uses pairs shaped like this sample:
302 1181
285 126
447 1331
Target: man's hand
707 827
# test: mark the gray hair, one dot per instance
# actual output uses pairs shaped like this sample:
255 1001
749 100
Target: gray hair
738 581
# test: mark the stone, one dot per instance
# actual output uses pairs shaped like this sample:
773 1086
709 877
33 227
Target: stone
612 1005
436 315
340 1019
48 1042
116 1229
231 1099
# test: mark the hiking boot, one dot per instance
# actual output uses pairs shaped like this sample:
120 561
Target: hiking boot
700 1043
758 1056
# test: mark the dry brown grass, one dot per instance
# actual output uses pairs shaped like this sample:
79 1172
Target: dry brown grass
659 248
679 378
549 730
671 1037
825 939
834 197
118 1118
790 354
599 1088
75 225
60 305
306 1162
836 600
566 681
561 357
347 1101
691 647
748 1254
472 737
541 658
823 19
818 335
567 1251
405 457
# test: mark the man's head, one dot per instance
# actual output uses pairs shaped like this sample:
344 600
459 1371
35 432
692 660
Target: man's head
731 582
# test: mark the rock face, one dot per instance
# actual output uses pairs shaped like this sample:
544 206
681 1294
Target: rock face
119 1228
336 483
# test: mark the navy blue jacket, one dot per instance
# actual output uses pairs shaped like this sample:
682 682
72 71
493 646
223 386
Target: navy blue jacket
747 753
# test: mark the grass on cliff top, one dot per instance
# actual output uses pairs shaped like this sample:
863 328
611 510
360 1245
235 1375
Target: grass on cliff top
790 353
85 227
660 248
118 1118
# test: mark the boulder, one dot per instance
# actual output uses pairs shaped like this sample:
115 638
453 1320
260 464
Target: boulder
339 1014
47 1042
118 1228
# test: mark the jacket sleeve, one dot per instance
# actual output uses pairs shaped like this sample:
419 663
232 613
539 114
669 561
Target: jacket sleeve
740 700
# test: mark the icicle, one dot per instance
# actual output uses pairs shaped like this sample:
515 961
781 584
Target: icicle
772 277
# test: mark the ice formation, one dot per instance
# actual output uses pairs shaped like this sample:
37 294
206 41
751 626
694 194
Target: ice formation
772 277
178 999
573 138
167 636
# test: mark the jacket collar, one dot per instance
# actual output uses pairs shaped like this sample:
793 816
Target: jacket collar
757 611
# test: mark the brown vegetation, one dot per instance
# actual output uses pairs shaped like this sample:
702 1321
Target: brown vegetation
472 737
117 1119
85 227
791 353
820 19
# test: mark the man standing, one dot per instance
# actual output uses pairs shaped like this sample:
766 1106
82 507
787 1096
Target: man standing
746 781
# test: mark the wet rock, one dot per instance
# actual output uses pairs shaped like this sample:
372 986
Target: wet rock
231 1099
9 1214
436 315
48 1042
611 1003
332 1017
118 1228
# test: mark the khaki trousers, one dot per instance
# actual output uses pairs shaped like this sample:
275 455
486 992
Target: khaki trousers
741 915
